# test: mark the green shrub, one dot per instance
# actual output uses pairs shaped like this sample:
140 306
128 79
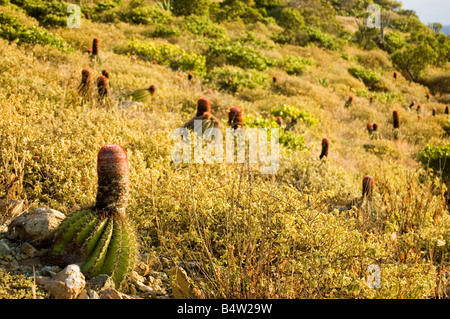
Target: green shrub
165 54
438 159
165 31
200 25
47 12
295 65
11 29
293 113
250 79
141 13
369 77
288 139
394 41
235 53
189 7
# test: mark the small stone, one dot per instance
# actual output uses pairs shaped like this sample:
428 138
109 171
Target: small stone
67 284
83 295
101 282
141 268
36 226
4 249
110 293
42 280
133 290
29 250
93 295
182 285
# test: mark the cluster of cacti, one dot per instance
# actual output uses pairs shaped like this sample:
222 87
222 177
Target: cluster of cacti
368 186
235 119
325 147
101 239
204 115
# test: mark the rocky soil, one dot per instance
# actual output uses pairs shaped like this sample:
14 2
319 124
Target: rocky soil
26 236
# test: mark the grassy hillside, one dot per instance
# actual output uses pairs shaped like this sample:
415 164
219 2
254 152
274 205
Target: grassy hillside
304 232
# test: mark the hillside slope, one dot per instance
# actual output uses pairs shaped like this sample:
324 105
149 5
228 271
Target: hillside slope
304 232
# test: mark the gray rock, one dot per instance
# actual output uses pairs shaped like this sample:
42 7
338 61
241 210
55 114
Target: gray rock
29 250
67 284
100 282
4 249
93 295
35 227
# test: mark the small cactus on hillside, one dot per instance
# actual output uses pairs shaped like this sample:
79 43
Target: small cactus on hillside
350 100
203 114
86 85
280 121
396 123
235 119
434 112
101 238
446 110
102 87
395 75
94 53
375 133
325 147
419 109
369 127
368 186
274 79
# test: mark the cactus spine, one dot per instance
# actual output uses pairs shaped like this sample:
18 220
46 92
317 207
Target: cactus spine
101 238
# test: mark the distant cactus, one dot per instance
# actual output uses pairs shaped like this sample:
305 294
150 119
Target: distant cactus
102 87
350 100
446 109
280 121
369 128
86 85
419 116
428 96
101 238
375 134
434 112
368 186
190 76
203 114
141 95
274 79
375 127
235 119
325 147
396 119
371 99
95 43
230 80
412 104
395 75
105 72
419 109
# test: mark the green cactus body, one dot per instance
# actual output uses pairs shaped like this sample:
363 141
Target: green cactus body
101 239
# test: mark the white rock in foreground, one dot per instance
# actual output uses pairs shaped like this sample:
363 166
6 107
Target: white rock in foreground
67 284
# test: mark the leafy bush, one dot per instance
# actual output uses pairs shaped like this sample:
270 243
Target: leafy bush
47 12
324 40
200 25
236 53
369 77
286 138
141 13
250 79
394 41
11 29
165 54
289 18
165 31
294 113
295 65
438 159
189 7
